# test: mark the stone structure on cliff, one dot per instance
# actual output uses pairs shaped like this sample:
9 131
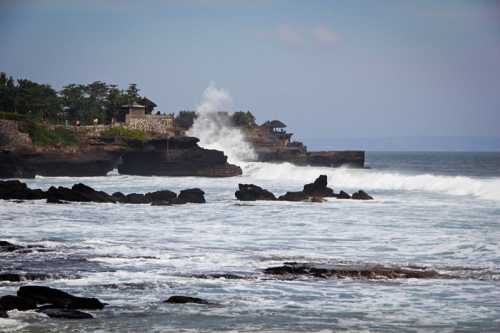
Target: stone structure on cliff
273 143
136 118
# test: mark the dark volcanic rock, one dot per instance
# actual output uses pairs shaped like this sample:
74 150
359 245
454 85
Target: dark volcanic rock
161 203
119 196
9 247
44 295
136 198
64 313
294 196
11 166
361 195
92 195
16 277
3 313
176 156
343 195
194 195
319 188
14 189
250 192
365 271
227 276
78 193
11 302
164 195
185 299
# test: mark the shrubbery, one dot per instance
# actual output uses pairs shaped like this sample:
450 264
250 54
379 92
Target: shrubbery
124 133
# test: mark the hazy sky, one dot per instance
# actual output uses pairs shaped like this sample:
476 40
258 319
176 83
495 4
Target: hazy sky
328 69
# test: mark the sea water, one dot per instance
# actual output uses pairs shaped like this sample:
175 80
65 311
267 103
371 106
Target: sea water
438 210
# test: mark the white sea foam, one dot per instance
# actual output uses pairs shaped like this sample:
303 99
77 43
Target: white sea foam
369 179
214 131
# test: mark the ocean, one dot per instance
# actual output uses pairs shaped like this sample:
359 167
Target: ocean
440 210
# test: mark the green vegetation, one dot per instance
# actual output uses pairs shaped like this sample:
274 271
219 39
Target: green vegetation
243 119
13 116
125 134
75 102
185 119
42 136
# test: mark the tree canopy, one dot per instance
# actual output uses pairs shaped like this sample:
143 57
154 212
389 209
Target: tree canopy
82 102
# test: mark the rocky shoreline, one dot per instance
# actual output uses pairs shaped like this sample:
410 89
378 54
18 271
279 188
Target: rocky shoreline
59 304
97 156
16 190
313 192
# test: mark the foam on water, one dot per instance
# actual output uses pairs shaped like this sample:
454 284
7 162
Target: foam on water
369 179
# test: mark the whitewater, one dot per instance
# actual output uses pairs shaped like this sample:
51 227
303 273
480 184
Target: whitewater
435 210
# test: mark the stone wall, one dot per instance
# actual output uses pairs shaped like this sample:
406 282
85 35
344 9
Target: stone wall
152 123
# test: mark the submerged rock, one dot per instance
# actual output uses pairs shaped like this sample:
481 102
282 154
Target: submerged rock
64 313
186 299
16 277
44 295
355 271
361 195
9 247
251 192
11 302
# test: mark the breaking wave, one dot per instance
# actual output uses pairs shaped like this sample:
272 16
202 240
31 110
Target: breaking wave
369 179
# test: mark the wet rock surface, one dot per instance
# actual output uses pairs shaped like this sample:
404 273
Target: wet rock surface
353 271
185 300
193 195
312 192
17 190
46 295
54 303
64 313
251 192
19 277
14 189
319 188
11 302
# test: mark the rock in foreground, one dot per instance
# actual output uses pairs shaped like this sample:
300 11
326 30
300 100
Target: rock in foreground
46 295
186 299
354 271
64 313
250 192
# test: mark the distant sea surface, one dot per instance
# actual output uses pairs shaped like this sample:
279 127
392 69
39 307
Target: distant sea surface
440 210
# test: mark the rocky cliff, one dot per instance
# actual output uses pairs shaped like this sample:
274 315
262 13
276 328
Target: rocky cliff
176 156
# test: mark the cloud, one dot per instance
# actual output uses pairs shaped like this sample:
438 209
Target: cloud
290 35
325 36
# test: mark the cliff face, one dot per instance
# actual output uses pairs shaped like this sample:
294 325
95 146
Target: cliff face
276 145
177 156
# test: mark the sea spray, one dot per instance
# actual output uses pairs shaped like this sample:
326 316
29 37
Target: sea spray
215 131
370 179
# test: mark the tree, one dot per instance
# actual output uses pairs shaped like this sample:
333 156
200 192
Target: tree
8 92
132 93
185 119
243 119
37 100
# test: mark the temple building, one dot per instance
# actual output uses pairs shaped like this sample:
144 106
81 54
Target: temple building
137 117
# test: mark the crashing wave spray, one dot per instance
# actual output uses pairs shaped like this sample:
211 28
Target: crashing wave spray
214 130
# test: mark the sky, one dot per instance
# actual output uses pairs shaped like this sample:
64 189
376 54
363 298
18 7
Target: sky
385 74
